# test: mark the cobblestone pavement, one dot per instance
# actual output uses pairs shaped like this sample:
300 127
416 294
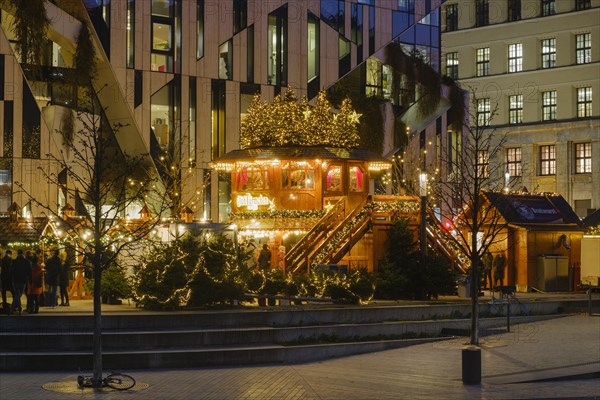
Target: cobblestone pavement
535 351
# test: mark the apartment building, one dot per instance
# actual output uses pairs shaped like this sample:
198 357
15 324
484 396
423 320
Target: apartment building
534 66
180 74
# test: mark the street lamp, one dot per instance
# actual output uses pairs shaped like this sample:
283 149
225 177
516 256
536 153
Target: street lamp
506 181
423 232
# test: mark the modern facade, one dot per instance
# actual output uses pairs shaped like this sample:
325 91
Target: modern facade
534 66
178 76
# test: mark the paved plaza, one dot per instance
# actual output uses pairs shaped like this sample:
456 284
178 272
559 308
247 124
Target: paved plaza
522 364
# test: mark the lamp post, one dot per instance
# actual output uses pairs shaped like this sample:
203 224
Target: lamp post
506 181
422 231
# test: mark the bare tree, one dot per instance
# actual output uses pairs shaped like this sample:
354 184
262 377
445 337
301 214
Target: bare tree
109 181
473 164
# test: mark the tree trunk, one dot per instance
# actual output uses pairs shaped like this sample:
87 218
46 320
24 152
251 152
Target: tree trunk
97 340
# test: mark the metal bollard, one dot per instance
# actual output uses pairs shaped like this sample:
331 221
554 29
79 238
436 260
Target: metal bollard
471 365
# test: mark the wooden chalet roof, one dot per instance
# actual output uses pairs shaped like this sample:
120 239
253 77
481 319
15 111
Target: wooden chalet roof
25 230
534 209
300 152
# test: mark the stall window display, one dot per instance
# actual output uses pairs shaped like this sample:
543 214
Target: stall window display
333 181
356 179
252 178
296 175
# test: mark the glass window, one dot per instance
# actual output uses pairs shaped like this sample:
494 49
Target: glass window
130 51
583 158
163 36
277 47
332 12
199 29
515 57
253 177
298 175
451 17
483 61
5 184
515 109
584 102
162 8
356 23
357 183
583 4
583 48
250 54
483 164
313 47
513 161
549 53
333 179
548 7
484 112
31 139
452 65
549 105
226 60
161 114
483 12
192 112
548 160
240 15
514 10
374 85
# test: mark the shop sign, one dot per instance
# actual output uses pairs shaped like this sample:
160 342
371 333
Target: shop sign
252 202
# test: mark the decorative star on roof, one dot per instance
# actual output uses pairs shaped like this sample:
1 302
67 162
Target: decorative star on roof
354 117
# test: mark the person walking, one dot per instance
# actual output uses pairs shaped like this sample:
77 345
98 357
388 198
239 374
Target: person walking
65 272
264 258
499 265
53 267
35 286
5 278
20 271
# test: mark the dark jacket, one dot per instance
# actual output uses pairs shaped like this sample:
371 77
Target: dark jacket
5 272
20 270
64 274
53 267
264 259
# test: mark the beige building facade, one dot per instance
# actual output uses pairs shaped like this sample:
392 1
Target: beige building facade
534 68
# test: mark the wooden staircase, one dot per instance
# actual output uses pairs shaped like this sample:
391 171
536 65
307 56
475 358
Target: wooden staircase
443 242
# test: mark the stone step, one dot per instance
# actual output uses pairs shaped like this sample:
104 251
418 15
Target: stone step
194 357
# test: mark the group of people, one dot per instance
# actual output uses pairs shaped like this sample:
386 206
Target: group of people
262 257
26 274
493 267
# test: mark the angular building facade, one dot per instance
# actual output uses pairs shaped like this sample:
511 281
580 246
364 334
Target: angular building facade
533 66
178 76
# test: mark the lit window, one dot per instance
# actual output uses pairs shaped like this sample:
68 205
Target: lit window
584 102
549 53
253 178
583 158
333 180
298 175
483 61
515 57
483 164
548 160
549 105
484 112
199 29
130 48
583 4
513 161
356 180
452 65
583 48
515 109
277 47
226 60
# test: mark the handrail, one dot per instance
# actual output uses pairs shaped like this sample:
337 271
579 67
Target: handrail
350 239
297 257
440 236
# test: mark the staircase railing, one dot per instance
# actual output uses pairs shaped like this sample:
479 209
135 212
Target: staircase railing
298 256
444 242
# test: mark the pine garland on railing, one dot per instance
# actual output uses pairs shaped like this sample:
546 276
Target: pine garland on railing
277 214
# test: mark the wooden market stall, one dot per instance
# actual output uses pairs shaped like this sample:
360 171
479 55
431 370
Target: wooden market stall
541 239
311 204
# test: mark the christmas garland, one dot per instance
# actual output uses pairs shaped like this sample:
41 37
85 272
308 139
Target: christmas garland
269 214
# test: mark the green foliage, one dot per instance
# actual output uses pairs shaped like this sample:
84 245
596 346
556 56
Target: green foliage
403 275
115 283
289 122
85 56
30 26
